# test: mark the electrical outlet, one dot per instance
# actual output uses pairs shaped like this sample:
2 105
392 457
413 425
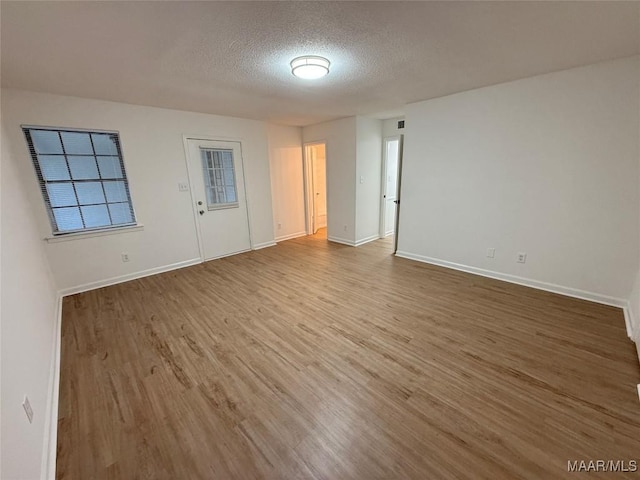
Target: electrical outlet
345 228
361 179
125 257
27 408
491 252
279 226
183 187
522 257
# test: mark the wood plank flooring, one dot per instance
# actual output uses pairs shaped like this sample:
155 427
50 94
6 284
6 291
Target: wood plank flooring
312 360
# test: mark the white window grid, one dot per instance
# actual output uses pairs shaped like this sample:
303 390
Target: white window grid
219 178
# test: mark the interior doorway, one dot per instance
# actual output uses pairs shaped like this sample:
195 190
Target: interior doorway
391 174
315 168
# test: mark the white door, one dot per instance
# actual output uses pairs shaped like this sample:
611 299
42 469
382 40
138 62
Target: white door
391 155
217 184
320 188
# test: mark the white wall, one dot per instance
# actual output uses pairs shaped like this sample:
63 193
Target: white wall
340 138
368 178
390 127
546 165
28 314
152 143
287 181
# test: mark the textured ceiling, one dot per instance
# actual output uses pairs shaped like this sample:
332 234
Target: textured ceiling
231 58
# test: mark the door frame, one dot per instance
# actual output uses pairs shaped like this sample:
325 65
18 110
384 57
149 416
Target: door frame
307 172
383 185
396 234
192 180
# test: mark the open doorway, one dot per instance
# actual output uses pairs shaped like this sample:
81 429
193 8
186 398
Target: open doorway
391 172
315 168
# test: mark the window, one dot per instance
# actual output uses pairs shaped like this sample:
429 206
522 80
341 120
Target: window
219 178
82 179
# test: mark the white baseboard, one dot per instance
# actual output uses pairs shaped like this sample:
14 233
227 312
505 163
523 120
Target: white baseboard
343 241
629 321
290 236
634 335
130 276
258 246
351 243
367 240
145 273
549 287
632 326
50 442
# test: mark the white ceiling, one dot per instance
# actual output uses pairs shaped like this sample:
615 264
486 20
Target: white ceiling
231 58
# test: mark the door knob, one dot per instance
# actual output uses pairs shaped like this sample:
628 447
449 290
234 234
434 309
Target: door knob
200 202
201 212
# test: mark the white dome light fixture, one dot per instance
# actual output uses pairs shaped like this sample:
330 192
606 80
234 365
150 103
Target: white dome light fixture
310 67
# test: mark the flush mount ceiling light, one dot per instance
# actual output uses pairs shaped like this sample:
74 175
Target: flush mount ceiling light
310 67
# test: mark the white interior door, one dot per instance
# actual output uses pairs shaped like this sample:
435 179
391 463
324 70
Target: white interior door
319 188
391 156
217 185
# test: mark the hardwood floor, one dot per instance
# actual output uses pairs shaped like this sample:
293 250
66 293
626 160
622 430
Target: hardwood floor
322 361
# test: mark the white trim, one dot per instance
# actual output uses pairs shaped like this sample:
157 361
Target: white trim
628 320
383 190
258 246
307 186
290 236
549 287
343 241
383 184
367 240
307 173
129 276
194 200
95 233
49 450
